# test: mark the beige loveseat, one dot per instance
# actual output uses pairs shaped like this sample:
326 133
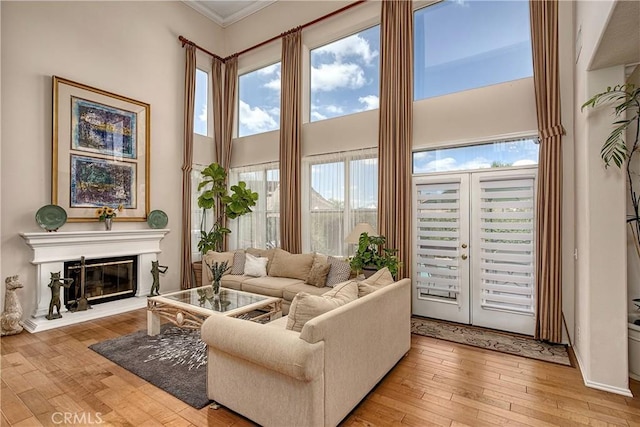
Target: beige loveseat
286 273
315 377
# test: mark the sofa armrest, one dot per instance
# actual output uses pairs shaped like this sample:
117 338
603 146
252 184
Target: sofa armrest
276 349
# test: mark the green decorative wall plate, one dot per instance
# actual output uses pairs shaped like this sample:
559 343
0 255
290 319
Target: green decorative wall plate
51 217
157 219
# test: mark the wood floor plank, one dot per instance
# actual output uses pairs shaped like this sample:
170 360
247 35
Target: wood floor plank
438 383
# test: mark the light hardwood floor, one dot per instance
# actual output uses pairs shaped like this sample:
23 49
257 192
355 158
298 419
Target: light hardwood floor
438 383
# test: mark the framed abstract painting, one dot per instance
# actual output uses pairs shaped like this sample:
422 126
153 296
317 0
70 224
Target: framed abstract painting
100 152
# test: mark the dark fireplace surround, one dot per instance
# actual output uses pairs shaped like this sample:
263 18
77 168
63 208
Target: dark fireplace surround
106 279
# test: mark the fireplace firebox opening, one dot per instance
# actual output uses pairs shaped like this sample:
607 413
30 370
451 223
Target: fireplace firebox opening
106 279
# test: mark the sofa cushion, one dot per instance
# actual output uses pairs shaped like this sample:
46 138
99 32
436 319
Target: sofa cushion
255 266
267 285
263 253
289 293
339 272
305 307
294 266
378 280
319 272
238 263
209 258
233 281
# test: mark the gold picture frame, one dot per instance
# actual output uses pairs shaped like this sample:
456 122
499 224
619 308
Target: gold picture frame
101 152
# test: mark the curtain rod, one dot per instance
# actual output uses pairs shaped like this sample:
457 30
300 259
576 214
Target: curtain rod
249 49
187 41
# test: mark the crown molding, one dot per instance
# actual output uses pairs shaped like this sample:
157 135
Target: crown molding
231 19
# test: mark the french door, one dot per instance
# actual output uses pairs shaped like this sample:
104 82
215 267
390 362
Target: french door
474 248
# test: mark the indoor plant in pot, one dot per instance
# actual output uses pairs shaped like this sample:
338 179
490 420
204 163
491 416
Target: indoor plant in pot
224 202
371 256
625 100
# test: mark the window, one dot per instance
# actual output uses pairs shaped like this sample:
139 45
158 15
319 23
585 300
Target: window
345 75
200 114
260 228
461 45
499 154
343 191
259 101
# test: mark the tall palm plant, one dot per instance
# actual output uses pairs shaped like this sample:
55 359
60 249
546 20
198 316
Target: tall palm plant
625 100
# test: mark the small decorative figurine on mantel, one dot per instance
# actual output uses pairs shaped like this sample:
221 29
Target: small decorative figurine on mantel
55 284
12 315
156 269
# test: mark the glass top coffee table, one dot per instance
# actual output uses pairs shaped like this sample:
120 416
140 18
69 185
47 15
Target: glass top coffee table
191 307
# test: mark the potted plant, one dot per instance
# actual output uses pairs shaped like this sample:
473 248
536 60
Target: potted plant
625 100
232 203
370 256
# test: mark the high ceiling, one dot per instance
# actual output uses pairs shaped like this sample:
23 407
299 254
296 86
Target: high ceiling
620 43
226 12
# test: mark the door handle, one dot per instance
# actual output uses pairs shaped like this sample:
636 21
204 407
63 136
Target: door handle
464 246
464 256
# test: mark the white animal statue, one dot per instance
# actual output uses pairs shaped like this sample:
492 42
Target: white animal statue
11 320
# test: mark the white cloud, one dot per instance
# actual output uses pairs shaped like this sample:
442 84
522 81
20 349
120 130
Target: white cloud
371 102
524 162
315 115
256 119
270 69
350 46
203 114
334 109
333 76
273 84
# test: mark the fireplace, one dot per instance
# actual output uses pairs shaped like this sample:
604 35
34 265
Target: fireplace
51 251
105 279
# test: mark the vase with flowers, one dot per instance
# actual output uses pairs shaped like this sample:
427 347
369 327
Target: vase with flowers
217 271
106 214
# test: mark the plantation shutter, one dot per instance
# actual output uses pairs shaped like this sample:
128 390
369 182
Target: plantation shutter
438 235
506 243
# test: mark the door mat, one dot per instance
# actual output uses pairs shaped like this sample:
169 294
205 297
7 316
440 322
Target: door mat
518 345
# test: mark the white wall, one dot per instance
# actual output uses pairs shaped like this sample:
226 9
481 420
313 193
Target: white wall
601 332
129 48
633 262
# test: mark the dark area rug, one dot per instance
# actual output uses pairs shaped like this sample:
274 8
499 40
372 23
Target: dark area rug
175 361
492 340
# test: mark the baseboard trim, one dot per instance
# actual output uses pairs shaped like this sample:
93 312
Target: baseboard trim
599 386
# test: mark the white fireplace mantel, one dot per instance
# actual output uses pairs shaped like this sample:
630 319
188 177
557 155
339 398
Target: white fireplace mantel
51 250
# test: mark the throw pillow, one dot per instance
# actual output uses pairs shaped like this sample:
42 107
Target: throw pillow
339 272
262 253
238 263
305 307
377 281
255 266
294 266
319 272
209 258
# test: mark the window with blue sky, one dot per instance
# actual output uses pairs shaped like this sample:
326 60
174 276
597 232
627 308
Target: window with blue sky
345 75
466 44
200 118
521 152
259 101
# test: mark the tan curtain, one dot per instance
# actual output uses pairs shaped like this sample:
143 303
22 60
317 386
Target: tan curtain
230 80
226 108
395 129
218 124
189 95
544 39
290 204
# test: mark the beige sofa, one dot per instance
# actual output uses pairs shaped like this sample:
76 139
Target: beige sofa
286 274
278 377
